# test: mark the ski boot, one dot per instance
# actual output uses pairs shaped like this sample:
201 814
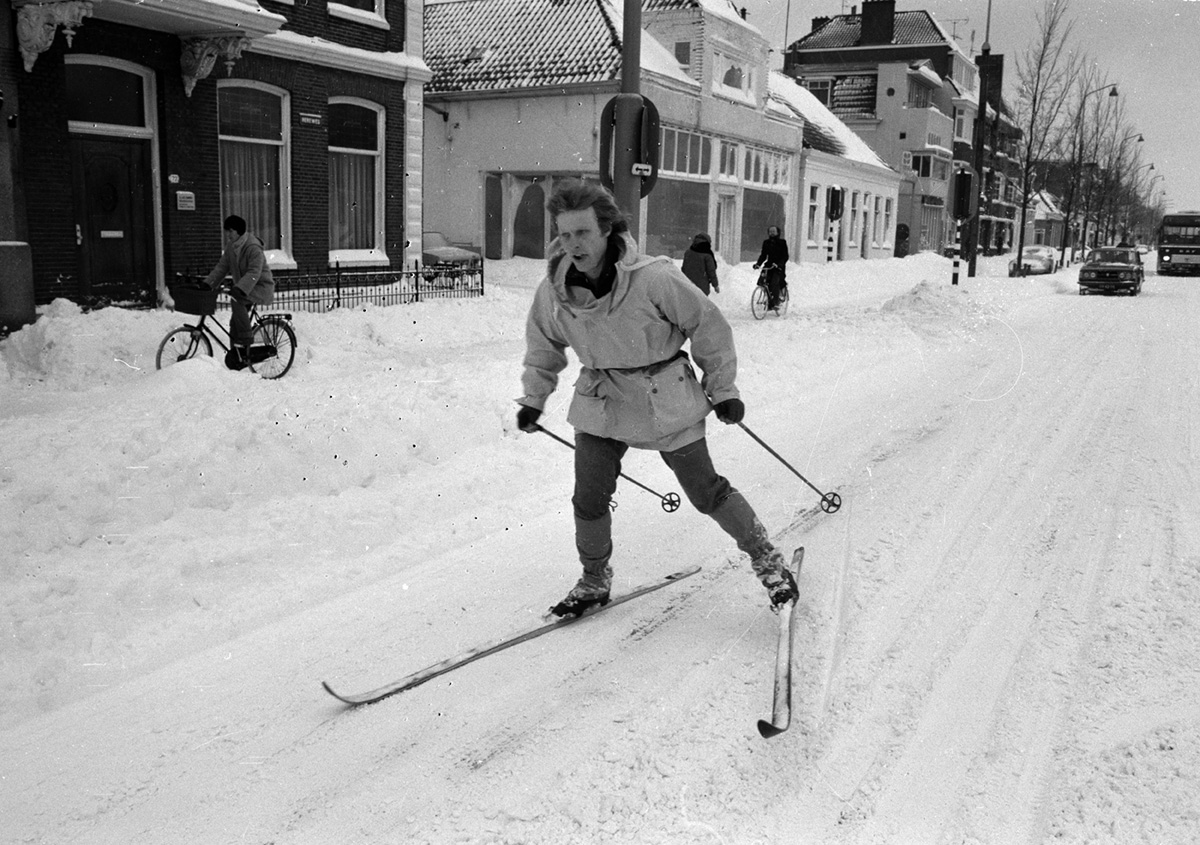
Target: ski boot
781 588
591 591
593 541
738 520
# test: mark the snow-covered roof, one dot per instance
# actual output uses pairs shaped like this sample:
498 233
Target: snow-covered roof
494 45
822 129
846 31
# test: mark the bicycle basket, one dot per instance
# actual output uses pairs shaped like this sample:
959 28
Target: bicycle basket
191 300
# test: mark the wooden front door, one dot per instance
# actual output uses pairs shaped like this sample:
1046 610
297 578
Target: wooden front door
113 218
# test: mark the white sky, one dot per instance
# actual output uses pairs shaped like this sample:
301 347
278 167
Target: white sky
1147 47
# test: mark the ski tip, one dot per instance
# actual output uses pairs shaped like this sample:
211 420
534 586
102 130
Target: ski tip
767 729
337 695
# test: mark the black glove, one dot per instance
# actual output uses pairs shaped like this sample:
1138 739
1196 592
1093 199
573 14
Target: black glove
756 266
527 419
730 411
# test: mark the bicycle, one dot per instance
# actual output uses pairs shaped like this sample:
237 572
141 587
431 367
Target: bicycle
272 346
762 295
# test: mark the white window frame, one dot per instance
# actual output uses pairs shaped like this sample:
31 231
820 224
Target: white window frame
722 64
679 47
695 168
729 160
825 83
920 95
377 255
769 168
812 221
962 130
282 258
376 18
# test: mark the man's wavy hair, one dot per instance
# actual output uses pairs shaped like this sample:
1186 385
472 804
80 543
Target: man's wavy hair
577 194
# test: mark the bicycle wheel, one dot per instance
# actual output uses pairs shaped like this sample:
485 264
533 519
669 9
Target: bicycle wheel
273 347
758 302
180 344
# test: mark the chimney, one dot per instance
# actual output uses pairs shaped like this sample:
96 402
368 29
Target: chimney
819 22
878 22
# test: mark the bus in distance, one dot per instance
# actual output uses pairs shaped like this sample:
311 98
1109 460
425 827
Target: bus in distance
1179 244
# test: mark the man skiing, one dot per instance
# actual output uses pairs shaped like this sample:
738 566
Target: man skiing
627 317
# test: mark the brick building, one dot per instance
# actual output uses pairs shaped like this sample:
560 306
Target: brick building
142 125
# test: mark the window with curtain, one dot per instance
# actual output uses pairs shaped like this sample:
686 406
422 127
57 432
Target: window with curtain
355 177
253 156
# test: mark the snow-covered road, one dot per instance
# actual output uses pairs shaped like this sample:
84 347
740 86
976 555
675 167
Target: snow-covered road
998 639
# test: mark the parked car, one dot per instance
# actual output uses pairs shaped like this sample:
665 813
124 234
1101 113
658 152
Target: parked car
435 249
1112 269
1036 260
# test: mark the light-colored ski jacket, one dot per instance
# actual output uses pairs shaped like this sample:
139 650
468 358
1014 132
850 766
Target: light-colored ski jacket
246 262
636 383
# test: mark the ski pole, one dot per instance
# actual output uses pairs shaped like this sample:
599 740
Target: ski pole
669 502
830 502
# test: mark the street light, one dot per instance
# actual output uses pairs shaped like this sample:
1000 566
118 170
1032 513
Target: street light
1112 92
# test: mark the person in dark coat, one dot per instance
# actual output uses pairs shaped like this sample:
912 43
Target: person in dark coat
775 255
700 265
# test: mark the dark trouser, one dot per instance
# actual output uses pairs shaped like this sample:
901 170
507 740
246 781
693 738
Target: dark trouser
240 331
598 464
775 282
597 467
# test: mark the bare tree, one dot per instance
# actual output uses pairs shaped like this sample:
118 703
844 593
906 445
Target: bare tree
1045 73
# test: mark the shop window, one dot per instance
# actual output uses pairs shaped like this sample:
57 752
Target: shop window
676 211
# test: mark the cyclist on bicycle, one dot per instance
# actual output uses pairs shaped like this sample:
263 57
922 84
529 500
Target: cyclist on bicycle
775 255
244 260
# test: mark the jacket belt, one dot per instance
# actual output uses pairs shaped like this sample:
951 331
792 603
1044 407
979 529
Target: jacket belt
648 369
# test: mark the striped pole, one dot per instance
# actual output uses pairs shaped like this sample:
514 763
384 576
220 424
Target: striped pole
957 250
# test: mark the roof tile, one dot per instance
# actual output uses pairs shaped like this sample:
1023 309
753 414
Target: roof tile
476 45
846 30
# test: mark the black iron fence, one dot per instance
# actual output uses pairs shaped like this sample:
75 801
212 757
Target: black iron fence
339 288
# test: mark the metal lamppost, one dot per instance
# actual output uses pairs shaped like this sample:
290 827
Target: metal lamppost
1078 161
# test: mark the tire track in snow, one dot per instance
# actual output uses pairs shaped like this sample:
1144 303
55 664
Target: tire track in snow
899 742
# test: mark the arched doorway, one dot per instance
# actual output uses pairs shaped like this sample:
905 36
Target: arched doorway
110 111
529 222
